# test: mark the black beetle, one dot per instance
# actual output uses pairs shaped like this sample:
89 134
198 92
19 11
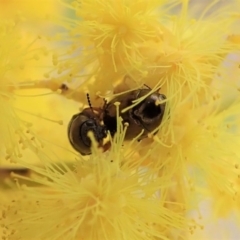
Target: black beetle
146 115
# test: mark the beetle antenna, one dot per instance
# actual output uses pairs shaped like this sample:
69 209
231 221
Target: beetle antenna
146 86
89 102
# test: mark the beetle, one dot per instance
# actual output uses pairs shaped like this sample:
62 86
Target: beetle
90 119
146 115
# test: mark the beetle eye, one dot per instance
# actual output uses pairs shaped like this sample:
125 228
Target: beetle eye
99 131
90 123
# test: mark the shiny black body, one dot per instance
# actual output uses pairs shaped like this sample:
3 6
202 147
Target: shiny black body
79 126
146 115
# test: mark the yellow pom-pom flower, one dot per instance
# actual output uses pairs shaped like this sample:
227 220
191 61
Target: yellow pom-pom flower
150 189
144 40
96 200
17 66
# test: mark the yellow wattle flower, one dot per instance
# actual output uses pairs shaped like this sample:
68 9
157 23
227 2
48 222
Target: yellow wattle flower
155 48
97 200
136 190
204 153
11 60
17 66
104 42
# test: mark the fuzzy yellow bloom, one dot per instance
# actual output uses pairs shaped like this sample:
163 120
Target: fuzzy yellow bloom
17 66
98 200
144 40
11 60
105 42
144 189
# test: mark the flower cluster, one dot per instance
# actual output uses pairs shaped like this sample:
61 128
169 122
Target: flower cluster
150 189
14 58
